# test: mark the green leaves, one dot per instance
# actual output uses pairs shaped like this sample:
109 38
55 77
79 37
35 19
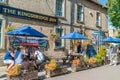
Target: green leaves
114 12
10 29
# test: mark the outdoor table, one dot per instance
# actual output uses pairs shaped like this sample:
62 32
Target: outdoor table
58 58
76 55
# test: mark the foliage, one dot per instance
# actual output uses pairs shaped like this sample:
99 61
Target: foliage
10 29
86 58
54 36
92 60
118 36
114 12
14 71
101 53
52 65
76 61
111 45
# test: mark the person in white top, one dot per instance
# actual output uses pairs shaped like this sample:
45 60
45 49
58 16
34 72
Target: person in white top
70 56
39 55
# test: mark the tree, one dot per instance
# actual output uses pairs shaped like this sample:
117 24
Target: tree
114 12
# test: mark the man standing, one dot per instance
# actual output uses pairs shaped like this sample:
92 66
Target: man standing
113 60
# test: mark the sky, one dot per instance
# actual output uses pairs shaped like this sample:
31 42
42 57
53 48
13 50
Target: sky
103 1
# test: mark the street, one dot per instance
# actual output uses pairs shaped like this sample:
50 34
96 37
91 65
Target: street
99 73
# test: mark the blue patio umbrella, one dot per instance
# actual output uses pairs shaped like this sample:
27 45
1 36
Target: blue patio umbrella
111 40
26 31
73 35
117 40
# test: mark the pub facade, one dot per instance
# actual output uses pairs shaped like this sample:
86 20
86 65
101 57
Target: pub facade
88 17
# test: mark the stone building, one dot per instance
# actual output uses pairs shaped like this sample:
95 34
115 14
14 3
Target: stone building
113 32
88 17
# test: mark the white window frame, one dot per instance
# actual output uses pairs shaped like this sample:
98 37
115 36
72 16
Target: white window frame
1 37
80 13
98 19
58 12
61 35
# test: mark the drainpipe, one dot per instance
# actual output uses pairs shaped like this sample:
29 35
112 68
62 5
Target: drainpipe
71 19
71 16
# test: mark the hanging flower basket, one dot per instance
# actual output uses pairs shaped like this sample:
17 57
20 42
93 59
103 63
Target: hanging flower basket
54 36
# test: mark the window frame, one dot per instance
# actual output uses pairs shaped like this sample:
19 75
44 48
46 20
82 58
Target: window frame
98 19
62 12
1 21
80 13
59 40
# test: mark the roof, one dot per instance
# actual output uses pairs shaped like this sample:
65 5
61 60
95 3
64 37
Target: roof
98 3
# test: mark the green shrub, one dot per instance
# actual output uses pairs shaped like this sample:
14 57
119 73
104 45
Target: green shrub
101 53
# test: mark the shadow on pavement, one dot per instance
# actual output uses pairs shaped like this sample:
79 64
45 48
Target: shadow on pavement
42 77
3 76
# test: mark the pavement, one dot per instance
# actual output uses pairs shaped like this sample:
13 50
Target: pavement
106 72
2 73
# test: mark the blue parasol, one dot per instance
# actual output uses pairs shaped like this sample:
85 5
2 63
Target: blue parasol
73 35
111 40
26 31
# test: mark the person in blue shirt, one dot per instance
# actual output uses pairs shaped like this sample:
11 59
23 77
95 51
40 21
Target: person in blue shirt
19 54
9 58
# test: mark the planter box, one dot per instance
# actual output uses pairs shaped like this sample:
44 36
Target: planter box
93 65
78 67
58 71
99 64
29 75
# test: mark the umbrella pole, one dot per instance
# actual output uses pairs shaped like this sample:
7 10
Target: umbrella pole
14 36
25 39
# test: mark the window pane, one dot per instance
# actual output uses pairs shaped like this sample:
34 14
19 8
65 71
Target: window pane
80 13
59 7
98 19
58 42
1 0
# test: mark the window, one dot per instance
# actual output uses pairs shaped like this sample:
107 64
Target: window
0 33
58 42
80 13
60 8
98 19
2 1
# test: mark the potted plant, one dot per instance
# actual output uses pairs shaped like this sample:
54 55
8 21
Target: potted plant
53 69
54 36
101 55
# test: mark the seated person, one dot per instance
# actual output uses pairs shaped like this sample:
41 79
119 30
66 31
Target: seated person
39 56
9 58
83 51
25 64
19 54
70 56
